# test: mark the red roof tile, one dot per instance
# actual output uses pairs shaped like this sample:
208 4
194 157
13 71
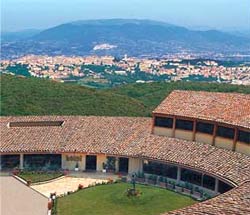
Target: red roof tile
129 136
230 108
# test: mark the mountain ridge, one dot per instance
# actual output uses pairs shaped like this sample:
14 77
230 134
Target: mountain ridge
130 36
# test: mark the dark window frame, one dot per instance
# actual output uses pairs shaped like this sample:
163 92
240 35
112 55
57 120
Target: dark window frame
208 182
161 169
183 124
243 136
191 176
40 161
205 127
225 132
224 187
165 122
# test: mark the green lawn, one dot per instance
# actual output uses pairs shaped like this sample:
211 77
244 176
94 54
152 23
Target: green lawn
39 177
111 199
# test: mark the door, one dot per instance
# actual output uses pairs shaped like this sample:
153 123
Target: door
123 165
91 162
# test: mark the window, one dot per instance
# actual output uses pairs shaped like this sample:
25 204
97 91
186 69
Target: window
244 136
184 124
42 161
191 176
225 132
169 171
162 169
223 187
209 182
10 161
111 163
164 122
35 123
205 127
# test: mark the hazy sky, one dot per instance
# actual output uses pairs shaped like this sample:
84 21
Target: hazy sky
40 14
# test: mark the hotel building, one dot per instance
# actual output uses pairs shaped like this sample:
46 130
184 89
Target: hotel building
201 138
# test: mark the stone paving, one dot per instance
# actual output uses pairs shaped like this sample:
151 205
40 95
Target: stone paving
71 182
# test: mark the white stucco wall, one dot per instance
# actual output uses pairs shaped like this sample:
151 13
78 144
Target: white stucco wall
135 165
70 165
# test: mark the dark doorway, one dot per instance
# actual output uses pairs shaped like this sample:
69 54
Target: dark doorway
90 162
123 165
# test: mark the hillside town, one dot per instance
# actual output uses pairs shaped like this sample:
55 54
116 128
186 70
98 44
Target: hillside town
129 69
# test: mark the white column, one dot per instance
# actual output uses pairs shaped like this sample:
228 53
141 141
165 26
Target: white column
117 164
178 174
100 160
62 161
83 162
21 161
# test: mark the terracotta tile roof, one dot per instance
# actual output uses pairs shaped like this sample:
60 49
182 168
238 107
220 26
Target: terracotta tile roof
234 202
77 134
227 164
129 136
230 108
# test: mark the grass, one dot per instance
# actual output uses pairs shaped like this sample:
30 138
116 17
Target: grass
35 177
34 96
111 199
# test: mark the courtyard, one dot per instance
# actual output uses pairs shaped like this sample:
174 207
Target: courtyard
112 199
70 183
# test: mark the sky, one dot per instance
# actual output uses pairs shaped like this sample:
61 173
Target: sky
41 14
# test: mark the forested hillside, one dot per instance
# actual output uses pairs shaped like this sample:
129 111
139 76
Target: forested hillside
33 96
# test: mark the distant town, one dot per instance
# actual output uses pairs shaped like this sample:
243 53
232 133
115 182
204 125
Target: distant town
108 71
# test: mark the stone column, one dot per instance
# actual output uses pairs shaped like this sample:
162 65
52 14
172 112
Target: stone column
83 162
62 161
21 161
117 164
178 174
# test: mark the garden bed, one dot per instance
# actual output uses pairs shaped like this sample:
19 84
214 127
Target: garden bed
35 177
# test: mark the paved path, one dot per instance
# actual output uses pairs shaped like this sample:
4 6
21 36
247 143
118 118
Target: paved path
70 183
18 199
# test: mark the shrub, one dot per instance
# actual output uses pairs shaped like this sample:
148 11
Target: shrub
140 175
80 187
132 192
104 165
196 189
15 171
206 196
161 179
50 205
65 172
188 186
110 181
28 182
